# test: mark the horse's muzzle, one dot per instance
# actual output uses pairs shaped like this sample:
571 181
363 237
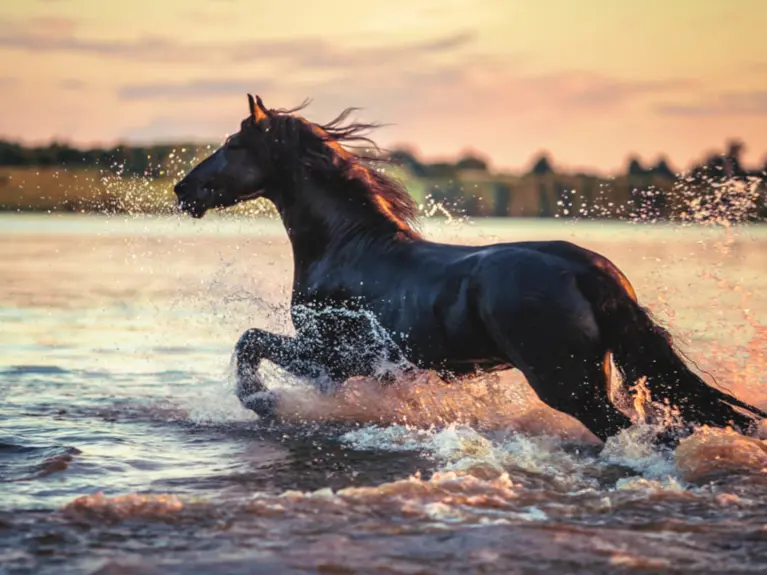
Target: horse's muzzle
189 200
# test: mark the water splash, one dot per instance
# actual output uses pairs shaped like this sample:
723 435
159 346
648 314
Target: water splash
113 509
233 300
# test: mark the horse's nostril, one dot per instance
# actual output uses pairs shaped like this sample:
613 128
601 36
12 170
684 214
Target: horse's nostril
181 188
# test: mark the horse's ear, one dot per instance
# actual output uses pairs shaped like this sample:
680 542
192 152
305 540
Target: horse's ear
260 103
257 109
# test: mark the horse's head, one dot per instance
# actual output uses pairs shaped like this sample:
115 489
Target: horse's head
237 171
293 162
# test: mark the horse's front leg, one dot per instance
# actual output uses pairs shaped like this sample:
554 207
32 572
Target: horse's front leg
291 354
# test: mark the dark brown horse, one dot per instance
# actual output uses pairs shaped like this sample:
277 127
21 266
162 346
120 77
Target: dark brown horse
371 297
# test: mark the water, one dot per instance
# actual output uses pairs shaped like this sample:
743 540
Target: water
123 449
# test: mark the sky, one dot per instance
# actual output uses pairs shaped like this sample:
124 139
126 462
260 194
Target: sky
589 81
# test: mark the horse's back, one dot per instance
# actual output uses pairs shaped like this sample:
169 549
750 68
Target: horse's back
522 287
583 262
531 280
447 280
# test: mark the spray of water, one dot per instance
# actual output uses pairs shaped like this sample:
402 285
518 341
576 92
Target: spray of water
455 421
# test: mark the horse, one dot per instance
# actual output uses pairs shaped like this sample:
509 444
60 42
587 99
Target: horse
372 297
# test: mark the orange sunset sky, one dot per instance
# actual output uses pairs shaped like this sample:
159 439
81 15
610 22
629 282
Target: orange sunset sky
588 80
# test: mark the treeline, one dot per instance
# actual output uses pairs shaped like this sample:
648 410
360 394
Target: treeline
145 161
727 164
718 187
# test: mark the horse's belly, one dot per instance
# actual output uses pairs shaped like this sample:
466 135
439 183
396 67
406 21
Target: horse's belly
461 352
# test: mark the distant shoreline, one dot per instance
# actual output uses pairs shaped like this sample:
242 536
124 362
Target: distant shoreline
215 219
468 193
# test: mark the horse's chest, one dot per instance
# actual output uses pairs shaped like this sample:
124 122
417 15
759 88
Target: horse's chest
334 287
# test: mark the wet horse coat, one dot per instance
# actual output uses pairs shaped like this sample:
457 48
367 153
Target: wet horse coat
372 297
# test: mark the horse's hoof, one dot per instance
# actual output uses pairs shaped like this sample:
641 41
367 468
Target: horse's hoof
254 395
262 403
668 439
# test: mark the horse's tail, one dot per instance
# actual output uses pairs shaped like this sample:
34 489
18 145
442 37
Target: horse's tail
643 349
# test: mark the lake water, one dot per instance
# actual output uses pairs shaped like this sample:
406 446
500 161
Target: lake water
123 449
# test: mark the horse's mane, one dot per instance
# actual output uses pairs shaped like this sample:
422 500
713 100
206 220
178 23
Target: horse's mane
323 151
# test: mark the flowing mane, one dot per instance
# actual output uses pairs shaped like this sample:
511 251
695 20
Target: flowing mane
321 149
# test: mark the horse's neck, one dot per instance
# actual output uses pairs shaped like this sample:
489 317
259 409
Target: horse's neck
324 231
319 222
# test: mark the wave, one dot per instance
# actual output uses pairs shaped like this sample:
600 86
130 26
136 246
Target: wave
479 482
22 462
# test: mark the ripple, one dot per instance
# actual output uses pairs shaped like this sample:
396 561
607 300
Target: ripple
138 457
34 369
24 462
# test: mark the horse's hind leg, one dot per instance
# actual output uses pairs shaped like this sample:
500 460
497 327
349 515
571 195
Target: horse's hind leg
580 388
549 332
569 373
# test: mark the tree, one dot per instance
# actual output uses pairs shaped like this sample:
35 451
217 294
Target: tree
471 162
732 163
13 154
407 159
662 170
542 166
635 167
439 170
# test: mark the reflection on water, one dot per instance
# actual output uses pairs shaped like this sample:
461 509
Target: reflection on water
123 450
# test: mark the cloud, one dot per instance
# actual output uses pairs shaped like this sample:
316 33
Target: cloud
322 54
448 102
752 103
464 89
757 67
472 83
53 26
72 84
219 16
197 89
589 90
147 48
36 28
175 128
47 35
318 68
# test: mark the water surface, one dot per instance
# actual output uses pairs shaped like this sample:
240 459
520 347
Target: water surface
123 450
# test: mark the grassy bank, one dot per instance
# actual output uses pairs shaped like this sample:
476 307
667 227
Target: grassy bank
89 190
475 193
33 189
